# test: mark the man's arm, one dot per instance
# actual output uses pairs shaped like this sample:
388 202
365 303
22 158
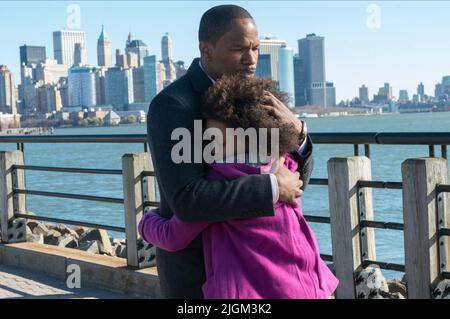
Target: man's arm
190 195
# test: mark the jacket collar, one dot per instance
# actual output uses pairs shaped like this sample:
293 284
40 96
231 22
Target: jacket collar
199 79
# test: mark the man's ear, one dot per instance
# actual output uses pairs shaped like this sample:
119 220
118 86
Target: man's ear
205 50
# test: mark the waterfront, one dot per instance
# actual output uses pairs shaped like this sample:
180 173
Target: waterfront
386 161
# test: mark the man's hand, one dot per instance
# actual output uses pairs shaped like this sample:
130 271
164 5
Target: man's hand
281 111
289 184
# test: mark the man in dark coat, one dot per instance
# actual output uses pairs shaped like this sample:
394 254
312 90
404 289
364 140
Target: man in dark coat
228 43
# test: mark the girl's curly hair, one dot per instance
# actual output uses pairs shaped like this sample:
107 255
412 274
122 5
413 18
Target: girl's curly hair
238 101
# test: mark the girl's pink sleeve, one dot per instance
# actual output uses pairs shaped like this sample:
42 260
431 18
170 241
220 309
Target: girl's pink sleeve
168 234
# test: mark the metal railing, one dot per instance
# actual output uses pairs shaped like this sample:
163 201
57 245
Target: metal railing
430 139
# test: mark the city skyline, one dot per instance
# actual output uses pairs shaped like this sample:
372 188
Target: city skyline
356 53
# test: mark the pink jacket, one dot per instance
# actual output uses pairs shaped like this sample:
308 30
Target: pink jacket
264 257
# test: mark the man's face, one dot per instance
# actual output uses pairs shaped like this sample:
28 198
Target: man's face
235 52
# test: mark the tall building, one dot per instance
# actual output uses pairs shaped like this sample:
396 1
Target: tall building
364 95
138 84
403 96
138 47
271 46
421 90
49 71
7 91
100 89
166 52
166 47
299 82
132 60
286 72
104 50
318 91
119 87
81 83
121 60
151 80
49 99
264 67
64 42
32 54
384 94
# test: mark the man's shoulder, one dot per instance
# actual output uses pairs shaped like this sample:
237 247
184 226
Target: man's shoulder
180 91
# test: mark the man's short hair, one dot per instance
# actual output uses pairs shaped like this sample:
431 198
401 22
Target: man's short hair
217 21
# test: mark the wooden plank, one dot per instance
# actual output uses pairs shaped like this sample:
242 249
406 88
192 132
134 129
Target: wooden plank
344 174
420 177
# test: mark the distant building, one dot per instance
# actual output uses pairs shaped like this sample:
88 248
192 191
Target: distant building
121 60
119 87
384 95
151 81
403 96
301 94
32 54
138 47
49 99
100 85
50 72
286 73
421 91
7 91
104 50
9 121
65 49
111 118
138 84
167 58
264 67
271 46
82 87
364 95
318 91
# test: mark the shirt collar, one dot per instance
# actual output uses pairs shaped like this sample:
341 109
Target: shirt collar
201 67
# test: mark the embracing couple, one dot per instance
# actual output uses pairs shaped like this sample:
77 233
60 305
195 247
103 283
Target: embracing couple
232 228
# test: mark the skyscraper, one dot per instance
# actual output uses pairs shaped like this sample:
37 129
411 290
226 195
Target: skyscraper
82 87
104 50
421 90
64 47
138 84
138 47
364 95
32 54
299 82
7 91
264 67
312 53
167 60
119 87
286 72
150 77
403 96
271 46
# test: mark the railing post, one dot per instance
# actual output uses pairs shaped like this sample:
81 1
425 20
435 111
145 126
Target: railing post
347 203
12 229
139 253
420 177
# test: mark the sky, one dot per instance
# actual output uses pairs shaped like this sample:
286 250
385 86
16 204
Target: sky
400 42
